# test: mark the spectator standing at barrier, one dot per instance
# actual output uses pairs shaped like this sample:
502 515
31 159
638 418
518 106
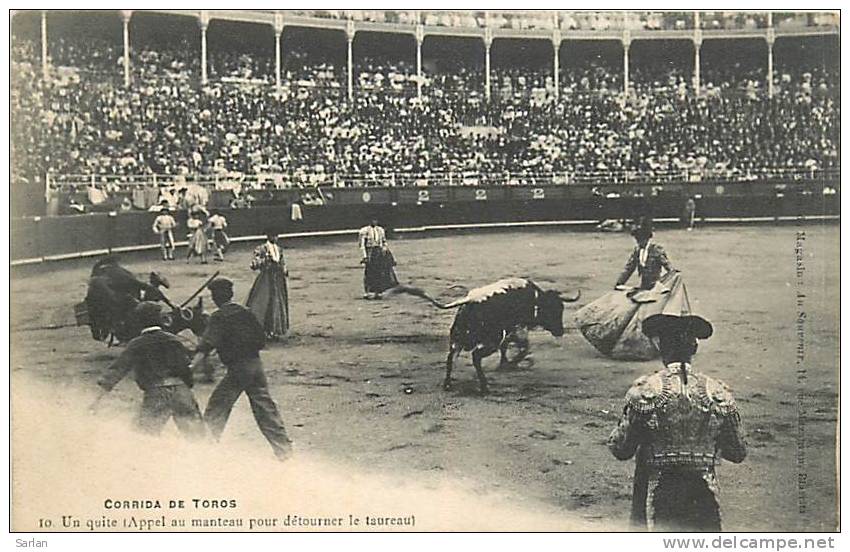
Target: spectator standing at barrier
237 335
164 225
689 214
379 274
269 296
73 207
677 423
221 241
160 364
311 200
160 207
199 211
295 212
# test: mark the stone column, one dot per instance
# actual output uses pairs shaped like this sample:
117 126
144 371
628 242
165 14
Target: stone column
204 22
627 43
697 48
350 32
420 37
125 18
771 39
278 31
556 61
45 64
488 42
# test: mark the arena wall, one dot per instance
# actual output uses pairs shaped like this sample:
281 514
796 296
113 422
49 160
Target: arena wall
35 239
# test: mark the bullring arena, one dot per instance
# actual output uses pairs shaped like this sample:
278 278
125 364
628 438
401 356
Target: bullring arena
358 381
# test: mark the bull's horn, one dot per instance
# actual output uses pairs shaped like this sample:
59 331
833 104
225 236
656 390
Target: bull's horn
570 299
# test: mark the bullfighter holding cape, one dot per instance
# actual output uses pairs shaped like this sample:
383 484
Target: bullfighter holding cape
379 275
612 323
269 296
197 237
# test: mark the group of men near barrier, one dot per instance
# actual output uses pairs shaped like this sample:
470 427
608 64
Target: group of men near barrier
207 231
677 423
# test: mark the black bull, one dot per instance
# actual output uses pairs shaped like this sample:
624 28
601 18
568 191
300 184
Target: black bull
113 293
489 317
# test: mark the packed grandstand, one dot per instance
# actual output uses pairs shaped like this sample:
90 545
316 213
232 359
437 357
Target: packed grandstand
78 118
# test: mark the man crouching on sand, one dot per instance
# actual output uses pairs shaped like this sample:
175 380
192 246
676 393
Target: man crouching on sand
160 364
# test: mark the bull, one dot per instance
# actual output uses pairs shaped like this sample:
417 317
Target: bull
490 318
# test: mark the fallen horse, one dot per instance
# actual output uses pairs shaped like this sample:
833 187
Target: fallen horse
113 293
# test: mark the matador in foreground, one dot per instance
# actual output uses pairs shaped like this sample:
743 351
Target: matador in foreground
678 423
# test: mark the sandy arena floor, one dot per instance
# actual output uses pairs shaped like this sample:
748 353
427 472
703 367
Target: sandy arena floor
358 381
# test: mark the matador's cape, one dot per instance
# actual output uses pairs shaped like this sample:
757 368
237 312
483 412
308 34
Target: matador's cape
612 323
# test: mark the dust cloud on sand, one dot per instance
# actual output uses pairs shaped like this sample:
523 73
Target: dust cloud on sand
71 466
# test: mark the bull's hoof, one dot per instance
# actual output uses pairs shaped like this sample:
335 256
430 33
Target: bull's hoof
447 385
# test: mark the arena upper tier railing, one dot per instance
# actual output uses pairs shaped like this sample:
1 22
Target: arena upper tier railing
73 182
580 20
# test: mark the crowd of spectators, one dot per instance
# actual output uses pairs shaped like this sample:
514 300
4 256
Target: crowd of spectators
83 121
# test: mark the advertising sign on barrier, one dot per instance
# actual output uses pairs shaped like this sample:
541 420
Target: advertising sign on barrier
489 194
537 193
361 196
422 195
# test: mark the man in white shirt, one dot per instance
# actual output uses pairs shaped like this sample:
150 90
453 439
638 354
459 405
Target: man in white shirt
379 275
217 224
164 226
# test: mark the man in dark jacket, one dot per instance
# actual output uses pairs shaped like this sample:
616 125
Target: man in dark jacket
160 365
647 257
238 336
